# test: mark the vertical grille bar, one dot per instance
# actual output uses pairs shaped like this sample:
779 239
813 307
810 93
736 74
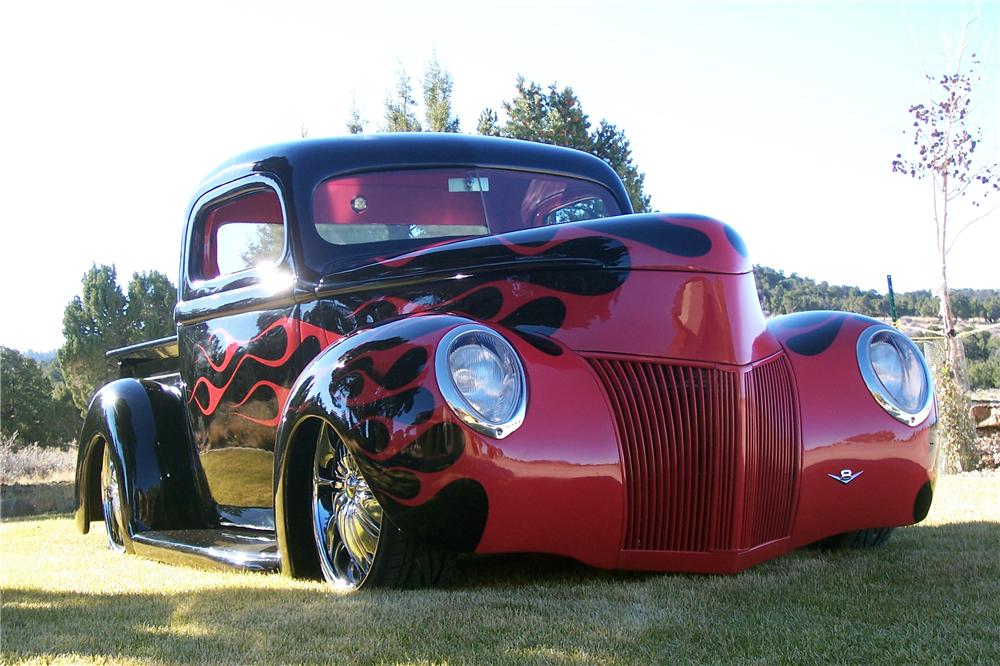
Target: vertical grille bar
681 442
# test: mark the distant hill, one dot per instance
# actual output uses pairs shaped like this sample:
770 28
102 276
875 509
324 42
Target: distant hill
782 294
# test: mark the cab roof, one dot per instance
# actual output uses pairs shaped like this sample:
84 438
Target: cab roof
299 165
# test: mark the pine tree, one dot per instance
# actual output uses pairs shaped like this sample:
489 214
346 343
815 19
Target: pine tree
438 86
103 318
488 124
355 123
27 397
399 106
556 116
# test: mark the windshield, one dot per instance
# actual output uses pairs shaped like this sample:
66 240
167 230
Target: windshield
370 215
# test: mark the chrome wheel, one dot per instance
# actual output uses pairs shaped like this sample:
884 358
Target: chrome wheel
347 519
111 502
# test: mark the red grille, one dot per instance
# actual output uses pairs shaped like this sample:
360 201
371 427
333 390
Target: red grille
687 453
772 453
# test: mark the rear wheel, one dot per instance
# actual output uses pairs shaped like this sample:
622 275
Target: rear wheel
357 544
111 501
875 536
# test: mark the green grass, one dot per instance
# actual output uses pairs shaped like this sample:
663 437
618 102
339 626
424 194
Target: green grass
932 594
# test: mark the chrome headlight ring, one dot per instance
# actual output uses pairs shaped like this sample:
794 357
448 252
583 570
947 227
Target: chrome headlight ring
895 373
482 379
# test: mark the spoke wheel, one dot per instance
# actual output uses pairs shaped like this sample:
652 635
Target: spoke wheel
347 518
111 502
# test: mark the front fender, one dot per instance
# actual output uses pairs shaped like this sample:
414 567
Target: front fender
376 389
146 426
843 428
553 485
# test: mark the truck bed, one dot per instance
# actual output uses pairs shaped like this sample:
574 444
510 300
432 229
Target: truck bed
157 360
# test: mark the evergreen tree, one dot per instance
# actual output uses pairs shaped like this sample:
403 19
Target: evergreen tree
26 397
92 323
103 318
611 145
149 307
355 123
488 124
437 98
556 116
399 106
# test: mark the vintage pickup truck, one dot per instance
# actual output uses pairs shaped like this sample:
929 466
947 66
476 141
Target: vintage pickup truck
391 349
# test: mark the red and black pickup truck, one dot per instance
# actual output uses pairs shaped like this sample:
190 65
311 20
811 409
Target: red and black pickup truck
392 349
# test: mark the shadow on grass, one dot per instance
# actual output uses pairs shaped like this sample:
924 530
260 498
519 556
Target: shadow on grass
930 594
521 569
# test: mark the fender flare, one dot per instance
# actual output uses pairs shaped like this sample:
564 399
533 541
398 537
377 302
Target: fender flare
378 392
847 428
146 425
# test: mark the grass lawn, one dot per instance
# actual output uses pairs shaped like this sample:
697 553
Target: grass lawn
931 594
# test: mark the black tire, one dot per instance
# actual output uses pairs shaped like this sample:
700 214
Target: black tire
357 545
869 538
111 502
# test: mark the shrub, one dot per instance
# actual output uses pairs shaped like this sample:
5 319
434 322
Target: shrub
956 429
988 451
32 463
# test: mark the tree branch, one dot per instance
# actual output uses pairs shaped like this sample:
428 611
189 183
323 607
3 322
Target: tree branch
973 331
969 224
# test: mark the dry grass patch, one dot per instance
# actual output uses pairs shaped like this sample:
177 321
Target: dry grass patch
31 463
931 595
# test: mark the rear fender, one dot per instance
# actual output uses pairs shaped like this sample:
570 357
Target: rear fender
146 426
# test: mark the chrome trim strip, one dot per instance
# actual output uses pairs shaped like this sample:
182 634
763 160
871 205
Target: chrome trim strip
466 412
151 349
879 392
213 548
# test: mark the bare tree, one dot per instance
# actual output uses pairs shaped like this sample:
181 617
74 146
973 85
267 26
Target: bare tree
944 150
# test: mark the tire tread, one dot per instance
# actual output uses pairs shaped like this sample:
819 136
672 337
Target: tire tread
409 563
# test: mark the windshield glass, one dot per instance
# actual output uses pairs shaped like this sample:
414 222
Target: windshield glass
379 214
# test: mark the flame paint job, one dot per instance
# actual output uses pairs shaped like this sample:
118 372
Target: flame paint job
352 345
439 479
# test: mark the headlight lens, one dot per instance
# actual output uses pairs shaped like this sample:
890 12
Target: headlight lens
482 378
896 373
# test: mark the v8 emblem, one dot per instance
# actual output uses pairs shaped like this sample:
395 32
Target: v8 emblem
846 476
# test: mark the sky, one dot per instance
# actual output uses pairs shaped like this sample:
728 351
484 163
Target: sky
781 119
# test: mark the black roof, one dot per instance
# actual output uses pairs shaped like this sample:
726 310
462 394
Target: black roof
299 165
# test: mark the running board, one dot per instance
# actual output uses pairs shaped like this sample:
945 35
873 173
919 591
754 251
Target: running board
217 549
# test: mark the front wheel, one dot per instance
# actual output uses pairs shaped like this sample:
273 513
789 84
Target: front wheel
357 544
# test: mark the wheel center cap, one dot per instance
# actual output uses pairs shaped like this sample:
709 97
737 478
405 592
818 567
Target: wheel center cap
351 485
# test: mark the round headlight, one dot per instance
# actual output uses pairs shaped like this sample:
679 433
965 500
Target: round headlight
482 378
896 374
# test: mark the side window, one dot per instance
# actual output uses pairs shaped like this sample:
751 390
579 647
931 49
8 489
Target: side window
241 232
585 209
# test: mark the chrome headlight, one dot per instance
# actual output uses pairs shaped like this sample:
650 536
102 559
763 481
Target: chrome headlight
896 374
482 378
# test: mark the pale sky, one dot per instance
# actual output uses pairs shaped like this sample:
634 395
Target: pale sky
779 118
